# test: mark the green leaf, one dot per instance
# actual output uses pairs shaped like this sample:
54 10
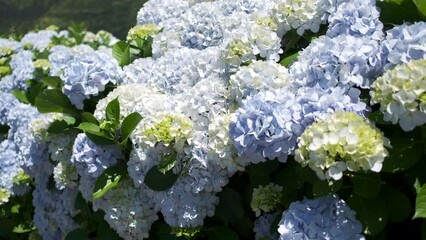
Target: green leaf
121 52
230 208
88 117
53 100
77 234
377 117
326 187
23 228
371 212
366 184
129 124
286 62
221 233
289 177
158 181
90 128
404 154
34 90
397 203
421 203
162 231
21 96
100 139
113 112
54 82
61 125
421 5
105 232
406 9
109 179
167 162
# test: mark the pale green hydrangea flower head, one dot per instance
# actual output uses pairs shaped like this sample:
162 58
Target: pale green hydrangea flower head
142 31
168 129
342 141
42 64
401 93
266 198
4 196
6 51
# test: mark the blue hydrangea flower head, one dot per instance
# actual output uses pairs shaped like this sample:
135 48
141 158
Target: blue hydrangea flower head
404 43
342 61
321 218
359 18
265 127
87 74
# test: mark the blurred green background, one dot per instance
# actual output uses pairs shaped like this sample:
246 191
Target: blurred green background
115 16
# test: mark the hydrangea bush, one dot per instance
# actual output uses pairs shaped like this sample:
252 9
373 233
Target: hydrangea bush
219 119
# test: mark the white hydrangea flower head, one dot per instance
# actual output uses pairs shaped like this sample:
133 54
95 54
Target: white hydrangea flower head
60 146
300 15
342 141
207 99
177 71
266 198
135 98
65 175
258 76
247 39
158 11
221 147
401 93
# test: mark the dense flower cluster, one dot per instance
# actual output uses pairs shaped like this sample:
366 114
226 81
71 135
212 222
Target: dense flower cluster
205 78
266 198
401 93
321 218
343 141
87 74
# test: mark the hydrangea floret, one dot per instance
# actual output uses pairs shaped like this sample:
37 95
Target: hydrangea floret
342 141
401 93
266 198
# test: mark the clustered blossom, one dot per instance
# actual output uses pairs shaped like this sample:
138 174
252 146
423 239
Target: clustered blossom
321 218
258 76
91 160
268 124
87 74
342 61
359 18
343 141
266 198
264 126
214 99
401 93
263 227
142 31
301 15
129 210
404 43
